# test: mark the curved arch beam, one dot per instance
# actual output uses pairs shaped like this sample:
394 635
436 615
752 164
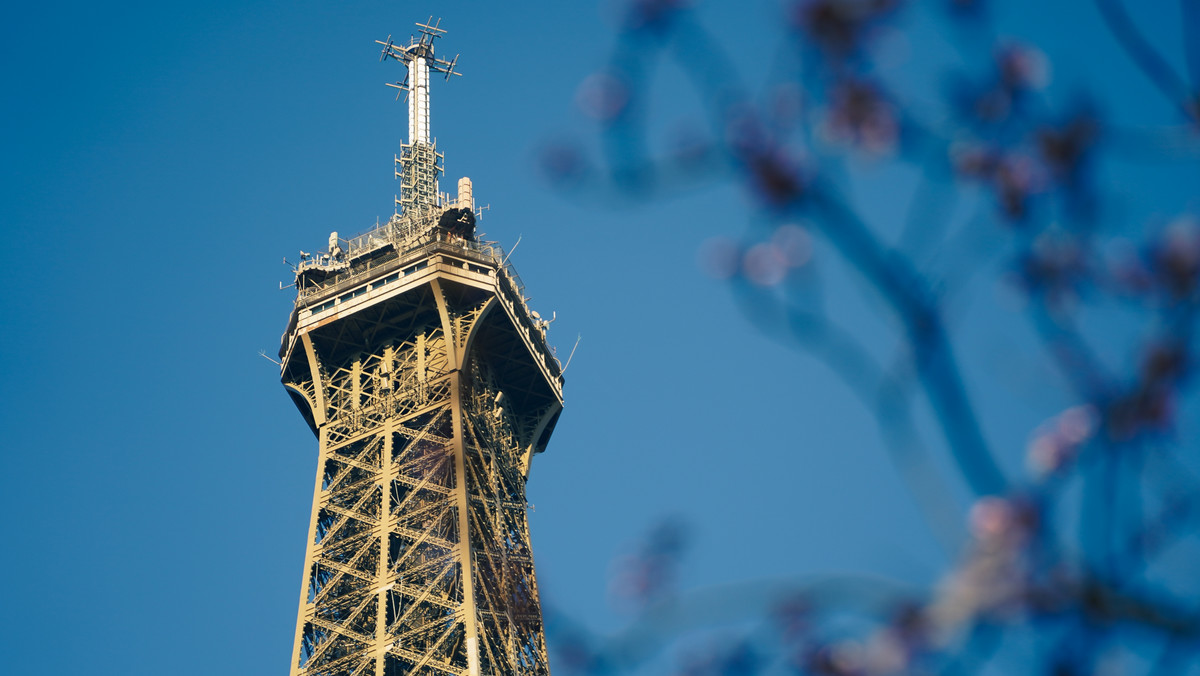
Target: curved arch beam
527 457
302 394
439 296
319 387
487 308
303 402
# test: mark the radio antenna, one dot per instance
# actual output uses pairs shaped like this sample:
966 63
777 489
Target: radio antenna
419 162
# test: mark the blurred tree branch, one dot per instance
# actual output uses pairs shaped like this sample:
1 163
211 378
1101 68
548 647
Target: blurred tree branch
1066 561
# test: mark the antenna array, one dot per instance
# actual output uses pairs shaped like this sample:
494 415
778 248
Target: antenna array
419 163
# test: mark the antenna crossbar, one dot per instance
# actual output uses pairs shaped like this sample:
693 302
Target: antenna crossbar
432 32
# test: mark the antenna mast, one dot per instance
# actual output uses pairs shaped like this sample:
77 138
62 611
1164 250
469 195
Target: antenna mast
419 162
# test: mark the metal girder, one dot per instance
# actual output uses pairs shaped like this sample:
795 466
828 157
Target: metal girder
418 561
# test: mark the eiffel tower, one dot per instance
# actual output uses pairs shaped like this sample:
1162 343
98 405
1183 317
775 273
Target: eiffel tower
412 355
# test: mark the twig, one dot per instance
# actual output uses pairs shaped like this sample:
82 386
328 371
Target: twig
875 389
903 289
1143 55
1190 23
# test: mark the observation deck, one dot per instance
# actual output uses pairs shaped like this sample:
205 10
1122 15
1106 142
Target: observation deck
403 254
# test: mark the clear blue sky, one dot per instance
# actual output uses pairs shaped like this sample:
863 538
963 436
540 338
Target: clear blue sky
160 159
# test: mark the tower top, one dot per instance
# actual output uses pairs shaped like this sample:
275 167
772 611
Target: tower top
420 58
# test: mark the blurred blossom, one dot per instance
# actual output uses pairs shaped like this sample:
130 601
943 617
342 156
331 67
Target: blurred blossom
839 27
603 96
1002 523
1055 267
777 178
966 8
1149 407
891 50
573 653
1065 148
1022 67
654 16
973 160
889 649
1077 424
794 243
737 659
1013 177
909 622
1141 411
765 264
1056 443
720 257
843 658
1015 180
793 617
562 162
648 574
689 146
1164 364
885 653
907 636
1177 258
1018 70
1125 267
786 105
992 519
861 115
774 175
1176 509
987 105
744 131
994 577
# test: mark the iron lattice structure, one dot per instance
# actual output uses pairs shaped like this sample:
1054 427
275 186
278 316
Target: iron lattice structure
418 167
429 385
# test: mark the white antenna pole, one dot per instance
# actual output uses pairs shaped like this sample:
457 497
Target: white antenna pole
418 100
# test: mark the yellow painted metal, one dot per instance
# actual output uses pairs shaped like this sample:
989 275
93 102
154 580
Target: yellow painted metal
429 396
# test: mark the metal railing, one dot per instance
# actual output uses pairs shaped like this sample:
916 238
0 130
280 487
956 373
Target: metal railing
414 239
346 273
405 233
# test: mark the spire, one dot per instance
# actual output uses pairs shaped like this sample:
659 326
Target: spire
419 162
